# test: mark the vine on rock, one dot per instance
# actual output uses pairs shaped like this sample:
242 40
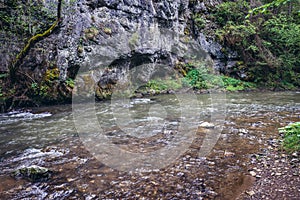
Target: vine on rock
14 66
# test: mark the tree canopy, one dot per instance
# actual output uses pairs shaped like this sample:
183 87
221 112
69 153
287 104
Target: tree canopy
273 4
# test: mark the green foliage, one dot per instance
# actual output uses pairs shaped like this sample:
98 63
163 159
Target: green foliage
1 94
159 85
199 21
4 75
25 18
51 75
237 34
44 89
283 36
291 142
231 11
34 86
269 45
232 84
264 9
202 77
70 83
197 78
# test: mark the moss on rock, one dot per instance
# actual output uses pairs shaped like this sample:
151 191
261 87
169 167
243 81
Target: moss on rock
33 173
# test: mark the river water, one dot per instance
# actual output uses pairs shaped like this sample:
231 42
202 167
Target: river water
245 125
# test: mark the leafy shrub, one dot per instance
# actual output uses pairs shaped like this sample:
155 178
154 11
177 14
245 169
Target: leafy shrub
268 43
196 75
238 34
40 90
275 4
231 11
201 77
199 21
291 142
283 39
232 84
195 78
161 85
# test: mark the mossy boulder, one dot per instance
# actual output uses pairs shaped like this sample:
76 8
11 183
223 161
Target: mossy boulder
33 173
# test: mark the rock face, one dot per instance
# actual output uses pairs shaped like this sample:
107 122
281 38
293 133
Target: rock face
224 58
113 36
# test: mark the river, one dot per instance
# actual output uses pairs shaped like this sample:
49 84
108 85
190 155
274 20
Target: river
48 137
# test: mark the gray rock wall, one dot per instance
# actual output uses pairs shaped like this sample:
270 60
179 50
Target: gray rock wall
113 35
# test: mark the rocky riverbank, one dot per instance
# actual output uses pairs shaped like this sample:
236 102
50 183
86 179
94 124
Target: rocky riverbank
277 174
246 163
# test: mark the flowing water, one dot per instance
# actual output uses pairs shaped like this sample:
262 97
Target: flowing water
48 137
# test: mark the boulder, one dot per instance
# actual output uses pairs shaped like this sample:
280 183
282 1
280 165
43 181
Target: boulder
33 173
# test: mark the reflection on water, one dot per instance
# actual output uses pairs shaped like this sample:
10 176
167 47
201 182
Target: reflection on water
47 137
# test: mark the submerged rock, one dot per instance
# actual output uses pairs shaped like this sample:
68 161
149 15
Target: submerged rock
33 173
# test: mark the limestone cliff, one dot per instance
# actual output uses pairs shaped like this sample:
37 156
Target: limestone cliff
113 34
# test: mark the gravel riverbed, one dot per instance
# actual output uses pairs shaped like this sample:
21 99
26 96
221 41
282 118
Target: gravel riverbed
277 174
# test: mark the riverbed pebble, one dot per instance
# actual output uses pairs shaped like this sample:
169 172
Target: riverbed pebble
252 173
276 174
207 125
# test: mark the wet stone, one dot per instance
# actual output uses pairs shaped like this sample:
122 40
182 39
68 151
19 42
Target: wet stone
252 173
33 173
229 154
207 125
250 193
295 155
